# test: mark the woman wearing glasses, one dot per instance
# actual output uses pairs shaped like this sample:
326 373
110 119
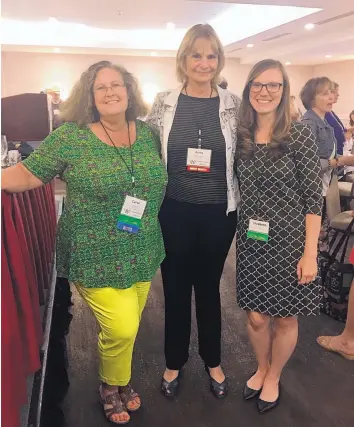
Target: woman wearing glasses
278 169
109 238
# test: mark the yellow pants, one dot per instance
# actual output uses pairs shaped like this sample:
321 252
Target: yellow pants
118 312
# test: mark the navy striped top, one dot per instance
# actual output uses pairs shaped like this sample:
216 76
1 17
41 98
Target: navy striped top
191 115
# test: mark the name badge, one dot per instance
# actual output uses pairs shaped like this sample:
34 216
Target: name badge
258 230
130 217
198 160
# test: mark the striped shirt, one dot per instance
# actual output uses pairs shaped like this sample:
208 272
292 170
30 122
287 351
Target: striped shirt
191 115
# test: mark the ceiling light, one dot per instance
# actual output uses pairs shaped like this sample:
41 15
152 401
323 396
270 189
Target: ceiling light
242 21
52 20
170 26
328 56
56 49
309 27
250 45
119 13
153 54
288 63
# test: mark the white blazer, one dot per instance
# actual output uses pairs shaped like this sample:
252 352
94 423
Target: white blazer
161 119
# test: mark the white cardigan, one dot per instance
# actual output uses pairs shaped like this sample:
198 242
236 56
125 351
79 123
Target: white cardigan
161 119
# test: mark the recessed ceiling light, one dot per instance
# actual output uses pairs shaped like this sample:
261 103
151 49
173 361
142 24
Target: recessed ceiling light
328 56
119 13
56 49
250 45
153 54
309 27
170 26
288 63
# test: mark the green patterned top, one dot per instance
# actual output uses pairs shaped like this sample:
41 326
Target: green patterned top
90 248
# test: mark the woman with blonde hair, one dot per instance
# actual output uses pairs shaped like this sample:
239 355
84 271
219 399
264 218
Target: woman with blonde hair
278 167
109 238
197 124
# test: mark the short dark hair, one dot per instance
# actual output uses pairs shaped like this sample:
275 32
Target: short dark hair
312 88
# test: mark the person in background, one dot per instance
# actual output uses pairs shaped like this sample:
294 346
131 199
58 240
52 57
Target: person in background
197 124
351 120
350 131
335 122
318 98
278 168
54 93
111 164
343 344
223 84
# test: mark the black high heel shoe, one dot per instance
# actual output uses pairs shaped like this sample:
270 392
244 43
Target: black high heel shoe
249 393
264 406
170 389
219 390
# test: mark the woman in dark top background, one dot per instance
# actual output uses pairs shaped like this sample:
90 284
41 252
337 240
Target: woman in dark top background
318 98
197 126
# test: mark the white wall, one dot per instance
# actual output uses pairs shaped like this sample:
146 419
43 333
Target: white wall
343 74
31 72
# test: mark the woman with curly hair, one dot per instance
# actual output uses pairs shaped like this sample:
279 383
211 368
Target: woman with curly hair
109 239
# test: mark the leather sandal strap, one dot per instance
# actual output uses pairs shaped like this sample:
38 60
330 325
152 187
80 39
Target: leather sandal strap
127 394
113 405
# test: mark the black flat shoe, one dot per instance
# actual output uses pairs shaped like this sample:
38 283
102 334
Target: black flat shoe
264 406
249 393
219 390
170 389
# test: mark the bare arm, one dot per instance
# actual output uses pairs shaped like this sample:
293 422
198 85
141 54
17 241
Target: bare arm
41 166
345 161
17 179
313 228
307 268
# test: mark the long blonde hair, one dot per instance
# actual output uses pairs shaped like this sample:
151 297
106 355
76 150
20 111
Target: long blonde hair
248 116
80 107
199 31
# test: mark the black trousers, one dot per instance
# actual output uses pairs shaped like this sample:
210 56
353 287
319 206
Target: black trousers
197 241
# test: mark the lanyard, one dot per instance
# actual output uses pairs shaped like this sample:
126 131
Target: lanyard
197 122
131 170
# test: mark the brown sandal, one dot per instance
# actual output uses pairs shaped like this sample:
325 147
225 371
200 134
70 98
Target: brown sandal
128 395
326 343
113 405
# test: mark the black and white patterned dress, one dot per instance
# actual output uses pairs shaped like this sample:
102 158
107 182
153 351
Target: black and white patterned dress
288 188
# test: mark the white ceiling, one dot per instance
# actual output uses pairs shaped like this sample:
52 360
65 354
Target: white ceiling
138 27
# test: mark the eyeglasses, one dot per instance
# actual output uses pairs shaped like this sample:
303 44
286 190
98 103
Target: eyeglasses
102 90
271 87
